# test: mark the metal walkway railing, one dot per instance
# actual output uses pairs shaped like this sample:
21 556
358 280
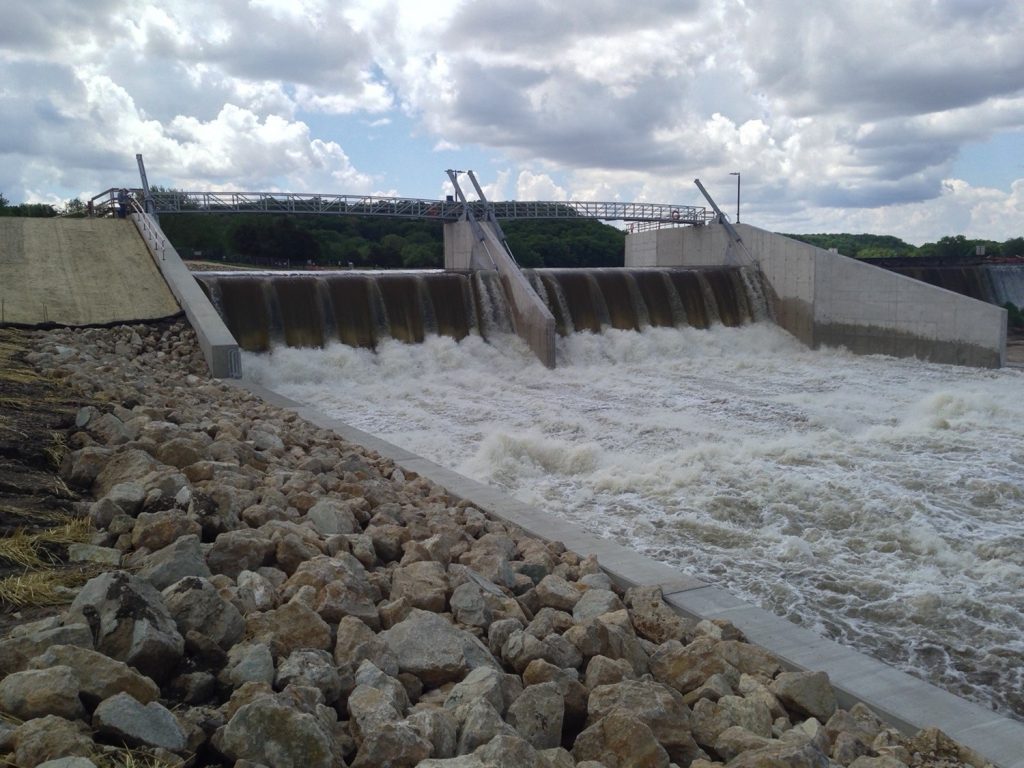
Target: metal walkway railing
402 207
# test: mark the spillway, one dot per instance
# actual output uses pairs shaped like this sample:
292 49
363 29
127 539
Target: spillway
995 283
363 309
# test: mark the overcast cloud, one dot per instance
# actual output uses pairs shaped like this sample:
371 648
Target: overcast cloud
901 117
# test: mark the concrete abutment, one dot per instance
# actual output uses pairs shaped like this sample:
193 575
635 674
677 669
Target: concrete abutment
825 299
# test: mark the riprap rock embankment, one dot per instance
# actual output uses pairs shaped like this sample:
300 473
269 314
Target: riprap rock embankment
272 595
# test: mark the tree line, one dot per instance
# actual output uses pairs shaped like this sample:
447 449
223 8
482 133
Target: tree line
367 241
41 210
953 248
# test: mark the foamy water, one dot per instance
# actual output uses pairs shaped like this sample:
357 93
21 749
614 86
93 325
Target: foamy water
877 501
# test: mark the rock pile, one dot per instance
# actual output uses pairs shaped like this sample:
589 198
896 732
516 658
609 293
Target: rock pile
280 597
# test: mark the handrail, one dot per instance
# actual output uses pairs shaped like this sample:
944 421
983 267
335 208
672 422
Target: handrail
149 229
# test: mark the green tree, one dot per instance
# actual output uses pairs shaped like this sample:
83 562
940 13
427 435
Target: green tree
421 256
1014 247
74 208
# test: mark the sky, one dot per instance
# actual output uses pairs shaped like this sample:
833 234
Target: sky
901 117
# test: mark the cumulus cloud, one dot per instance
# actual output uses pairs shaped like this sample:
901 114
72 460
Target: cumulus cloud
210 93
832 106
848 111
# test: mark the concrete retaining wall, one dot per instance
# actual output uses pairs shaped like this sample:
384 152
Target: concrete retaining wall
823 298
219 347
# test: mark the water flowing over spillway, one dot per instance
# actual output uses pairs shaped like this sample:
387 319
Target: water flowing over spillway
995 283
875 500
362 309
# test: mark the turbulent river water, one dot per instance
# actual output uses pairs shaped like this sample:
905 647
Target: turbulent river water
877 501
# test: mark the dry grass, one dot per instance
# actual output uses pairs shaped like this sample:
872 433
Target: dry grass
57 449
122 757
35 518
36 553
11 371
32 550
114 757
36 589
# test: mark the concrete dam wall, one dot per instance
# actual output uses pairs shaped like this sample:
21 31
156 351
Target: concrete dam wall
362 309
825 299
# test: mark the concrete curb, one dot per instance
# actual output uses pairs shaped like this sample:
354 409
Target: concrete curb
906 702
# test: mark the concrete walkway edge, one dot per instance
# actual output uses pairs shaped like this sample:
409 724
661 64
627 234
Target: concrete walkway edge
906 702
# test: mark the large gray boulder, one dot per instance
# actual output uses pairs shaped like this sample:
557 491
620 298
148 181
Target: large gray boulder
620 739
434 650
395 745
240 550
316 669
18 649
806 693
807 755
49 738
481 723
537 715
342 586
123 467
128 496
555 592
653 619
156 530
370 709
439 728
423 584
658 706
332 516
99 676
469 606
130 623
289 628
196 605
485 683
248 663
40 692
687 667
357 642
123 718
82 467
369 674
271 733
594 603
174 562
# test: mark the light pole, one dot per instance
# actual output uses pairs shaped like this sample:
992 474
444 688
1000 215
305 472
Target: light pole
737 175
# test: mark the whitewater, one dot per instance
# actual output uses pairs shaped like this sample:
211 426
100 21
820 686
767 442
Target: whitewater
874 500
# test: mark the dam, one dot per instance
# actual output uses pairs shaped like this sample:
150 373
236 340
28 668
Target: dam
867 499
994 283
365 309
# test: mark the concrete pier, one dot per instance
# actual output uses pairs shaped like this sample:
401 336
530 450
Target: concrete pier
825 299
465 249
